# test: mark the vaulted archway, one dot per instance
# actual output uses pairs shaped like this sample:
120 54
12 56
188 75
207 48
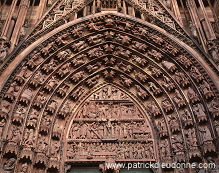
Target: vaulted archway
163 79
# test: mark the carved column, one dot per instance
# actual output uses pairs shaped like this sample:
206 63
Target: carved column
176 10
208 24
20 21
195 19
211 37
124 7
42 7
11 27
9 17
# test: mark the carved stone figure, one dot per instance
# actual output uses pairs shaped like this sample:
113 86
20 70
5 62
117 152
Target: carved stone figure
193 30
156 39
12 92
165 150
64 70
2 124
206 90
139 46
169 66
93 81
187 118
4 109
214 50
214 108
125 67
161 126
123 52
29 138
62 91
65 110
156 91
95 39
123 39
55 148
140 61
206 134
95 52
15 134
192 143
24 168
51 108
184 61
195 73
207 139
193 97
167 83
37 80
140 76
42 144
32 122
141 93
45 124
181 79
156 72
78 76
35 60
200 112
8 167
50 66
157 55
62 55
19 114
178 99
166 105
79 46
93 67
125 81
22 75
77 94
40 100
48 49
174 123
177 144
51 84
4 48
153 109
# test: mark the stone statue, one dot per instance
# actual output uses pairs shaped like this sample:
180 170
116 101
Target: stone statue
193 30
4 48
8 167
24 168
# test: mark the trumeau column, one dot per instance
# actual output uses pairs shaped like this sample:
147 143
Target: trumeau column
20 21
195 19
176 10
208 24
9 17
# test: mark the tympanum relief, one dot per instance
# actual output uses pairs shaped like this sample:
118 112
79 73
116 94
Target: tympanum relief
109 123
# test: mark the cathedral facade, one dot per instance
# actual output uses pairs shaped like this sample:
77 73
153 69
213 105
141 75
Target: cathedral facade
91 85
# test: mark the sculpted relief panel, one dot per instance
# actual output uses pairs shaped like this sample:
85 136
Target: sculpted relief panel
109 124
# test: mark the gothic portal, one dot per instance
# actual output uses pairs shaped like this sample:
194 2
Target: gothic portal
106 82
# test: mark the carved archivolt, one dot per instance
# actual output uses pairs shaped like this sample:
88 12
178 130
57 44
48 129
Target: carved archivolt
105 88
